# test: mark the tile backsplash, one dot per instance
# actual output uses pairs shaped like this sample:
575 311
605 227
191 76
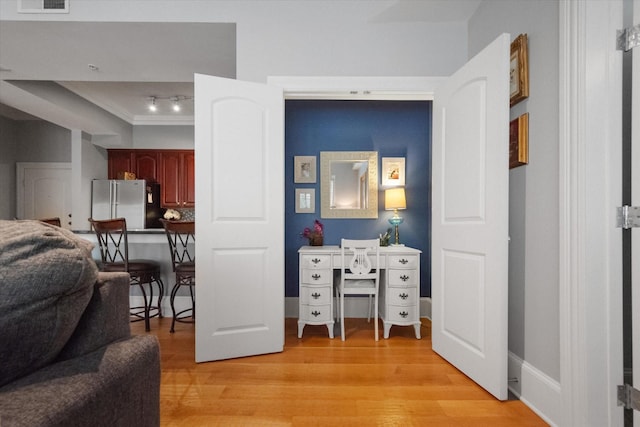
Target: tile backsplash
187 214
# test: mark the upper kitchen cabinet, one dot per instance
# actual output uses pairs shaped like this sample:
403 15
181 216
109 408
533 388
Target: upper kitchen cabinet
145 164
177 179
174 170
120 161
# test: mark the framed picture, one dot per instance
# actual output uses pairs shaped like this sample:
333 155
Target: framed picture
304 169
519 70
519 141
305 200
392 171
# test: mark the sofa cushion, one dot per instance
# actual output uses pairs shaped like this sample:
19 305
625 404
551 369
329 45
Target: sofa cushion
46 281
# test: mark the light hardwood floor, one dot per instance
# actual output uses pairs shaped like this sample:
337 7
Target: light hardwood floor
317 381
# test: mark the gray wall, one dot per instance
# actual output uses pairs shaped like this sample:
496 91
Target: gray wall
163 137
27 141
8 138
534 188
41 141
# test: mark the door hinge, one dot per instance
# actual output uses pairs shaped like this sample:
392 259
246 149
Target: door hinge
628 38
629 397
628 217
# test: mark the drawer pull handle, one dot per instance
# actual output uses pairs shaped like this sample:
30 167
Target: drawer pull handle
404 277
316 276
404 296
315 295
403 261
316 313
403 314
316 260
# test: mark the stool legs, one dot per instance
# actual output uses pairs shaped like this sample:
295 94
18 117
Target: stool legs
148 299
180 282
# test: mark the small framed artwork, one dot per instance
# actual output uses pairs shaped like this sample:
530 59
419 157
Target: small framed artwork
519 141
519 70
392 171
304 169
305 200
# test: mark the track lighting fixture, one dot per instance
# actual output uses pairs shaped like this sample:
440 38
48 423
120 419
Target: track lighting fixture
175 102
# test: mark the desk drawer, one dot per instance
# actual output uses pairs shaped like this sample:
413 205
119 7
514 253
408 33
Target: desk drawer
402 261
315 313
317 276
397 313
403 277
315 295
402 296
315 261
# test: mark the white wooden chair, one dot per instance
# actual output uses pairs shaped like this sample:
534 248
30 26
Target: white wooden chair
359 275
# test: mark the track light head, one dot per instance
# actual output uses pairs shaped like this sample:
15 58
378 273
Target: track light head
175 104
152 104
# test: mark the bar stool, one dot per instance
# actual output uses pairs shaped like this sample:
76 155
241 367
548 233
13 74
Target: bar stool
181 237
114 251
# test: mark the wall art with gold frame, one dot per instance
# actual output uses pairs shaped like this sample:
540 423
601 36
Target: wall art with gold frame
519 141
519 70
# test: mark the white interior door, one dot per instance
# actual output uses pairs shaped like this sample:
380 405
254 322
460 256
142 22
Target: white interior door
470 218
44 191
239 151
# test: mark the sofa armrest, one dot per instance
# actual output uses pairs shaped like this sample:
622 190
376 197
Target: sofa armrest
106 318
116 385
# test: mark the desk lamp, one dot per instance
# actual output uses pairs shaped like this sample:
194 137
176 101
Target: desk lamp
394 199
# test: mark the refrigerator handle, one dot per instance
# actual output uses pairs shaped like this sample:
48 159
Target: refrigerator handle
114 198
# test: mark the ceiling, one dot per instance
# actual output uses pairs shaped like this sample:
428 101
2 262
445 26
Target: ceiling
137 60
133 62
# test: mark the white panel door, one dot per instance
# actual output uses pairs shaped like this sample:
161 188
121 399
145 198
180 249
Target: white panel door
44 191
470 218
239 151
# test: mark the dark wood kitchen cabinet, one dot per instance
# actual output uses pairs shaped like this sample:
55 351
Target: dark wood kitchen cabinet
147 165
178 178
172 169
120 161
143 163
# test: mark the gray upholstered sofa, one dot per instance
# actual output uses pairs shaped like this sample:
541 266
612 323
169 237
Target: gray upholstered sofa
67 357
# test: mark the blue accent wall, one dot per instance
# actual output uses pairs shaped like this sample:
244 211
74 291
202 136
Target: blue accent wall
393 129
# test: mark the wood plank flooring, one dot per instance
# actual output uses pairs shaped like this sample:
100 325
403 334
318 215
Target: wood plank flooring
317 381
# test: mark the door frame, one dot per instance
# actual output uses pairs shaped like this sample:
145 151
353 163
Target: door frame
590 188
361 88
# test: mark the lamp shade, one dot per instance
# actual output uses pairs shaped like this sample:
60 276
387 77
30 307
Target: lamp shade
394 199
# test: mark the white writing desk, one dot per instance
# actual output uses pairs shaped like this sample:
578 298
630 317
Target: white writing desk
399 287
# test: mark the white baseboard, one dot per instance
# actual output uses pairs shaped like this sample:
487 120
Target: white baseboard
535 389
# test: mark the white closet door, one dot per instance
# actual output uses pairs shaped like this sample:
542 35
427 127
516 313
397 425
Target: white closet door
239 151
470 218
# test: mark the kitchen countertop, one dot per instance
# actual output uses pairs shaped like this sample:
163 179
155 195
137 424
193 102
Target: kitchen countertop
134 231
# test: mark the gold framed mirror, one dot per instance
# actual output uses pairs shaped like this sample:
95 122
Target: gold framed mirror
349 184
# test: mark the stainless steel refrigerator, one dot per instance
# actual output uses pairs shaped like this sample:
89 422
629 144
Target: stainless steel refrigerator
129 199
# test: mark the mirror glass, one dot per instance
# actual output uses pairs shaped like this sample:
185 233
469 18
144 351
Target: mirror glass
349 184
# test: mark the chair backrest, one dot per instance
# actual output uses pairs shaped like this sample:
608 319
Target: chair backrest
181 237
53 221
112 240
360 259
